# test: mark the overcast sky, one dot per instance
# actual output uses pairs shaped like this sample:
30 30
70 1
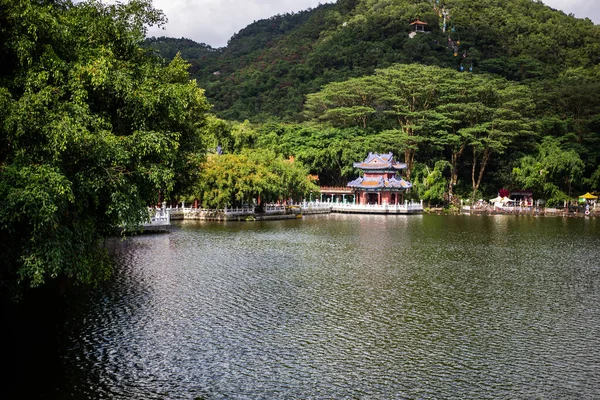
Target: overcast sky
214 21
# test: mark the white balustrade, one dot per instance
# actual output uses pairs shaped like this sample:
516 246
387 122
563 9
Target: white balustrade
160 216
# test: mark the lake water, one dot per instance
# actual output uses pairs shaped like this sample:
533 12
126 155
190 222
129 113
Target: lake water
342 306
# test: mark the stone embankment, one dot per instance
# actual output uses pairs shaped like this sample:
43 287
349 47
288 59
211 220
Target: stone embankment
273 212
538 211
268 212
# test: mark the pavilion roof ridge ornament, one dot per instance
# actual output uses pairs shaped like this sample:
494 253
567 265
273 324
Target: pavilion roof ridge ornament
379 161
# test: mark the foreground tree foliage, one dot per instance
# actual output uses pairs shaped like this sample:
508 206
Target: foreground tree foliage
93 130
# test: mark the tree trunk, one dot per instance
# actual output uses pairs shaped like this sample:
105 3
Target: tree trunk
484 160
409 154
409 159
456 155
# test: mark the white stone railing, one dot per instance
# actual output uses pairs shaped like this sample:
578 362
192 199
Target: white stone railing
159 216
246 210
274 208
238 210
180 210
315 205
406 207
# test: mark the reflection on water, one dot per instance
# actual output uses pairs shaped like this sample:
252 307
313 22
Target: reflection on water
345 306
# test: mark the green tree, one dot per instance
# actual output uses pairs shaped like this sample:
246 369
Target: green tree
412 93
94 129
432 108
258 176
573 105
432 185
551 171
501 116
244 136
293 179
345 104
218 133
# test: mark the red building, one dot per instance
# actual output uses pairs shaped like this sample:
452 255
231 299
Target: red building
380 183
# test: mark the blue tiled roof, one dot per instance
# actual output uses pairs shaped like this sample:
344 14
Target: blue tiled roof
380 183
376 161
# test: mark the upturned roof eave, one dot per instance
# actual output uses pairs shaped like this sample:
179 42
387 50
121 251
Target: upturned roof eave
379 166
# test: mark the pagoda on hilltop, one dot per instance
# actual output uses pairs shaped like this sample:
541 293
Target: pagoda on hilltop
380 183
419 26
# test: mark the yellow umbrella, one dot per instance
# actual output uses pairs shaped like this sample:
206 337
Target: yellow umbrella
588 196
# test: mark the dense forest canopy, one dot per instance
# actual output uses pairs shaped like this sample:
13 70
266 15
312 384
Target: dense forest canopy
286 57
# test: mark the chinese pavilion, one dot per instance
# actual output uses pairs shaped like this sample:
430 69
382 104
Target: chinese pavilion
380 183
419 26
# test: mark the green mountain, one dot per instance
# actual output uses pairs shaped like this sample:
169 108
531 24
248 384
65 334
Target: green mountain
269 66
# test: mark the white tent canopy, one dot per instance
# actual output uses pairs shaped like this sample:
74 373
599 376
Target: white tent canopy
500 201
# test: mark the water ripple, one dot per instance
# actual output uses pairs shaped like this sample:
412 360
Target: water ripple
346 307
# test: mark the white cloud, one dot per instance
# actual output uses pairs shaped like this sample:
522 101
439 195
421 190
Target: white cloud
214 21
580 8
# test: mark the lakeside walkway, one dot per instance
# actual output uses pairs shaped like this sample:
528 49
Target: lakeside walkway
529 210
278 211
162 217
406 208
248 213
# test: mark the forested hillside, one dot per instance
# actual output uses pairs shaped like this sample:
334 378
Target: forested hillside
493 93
268 67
